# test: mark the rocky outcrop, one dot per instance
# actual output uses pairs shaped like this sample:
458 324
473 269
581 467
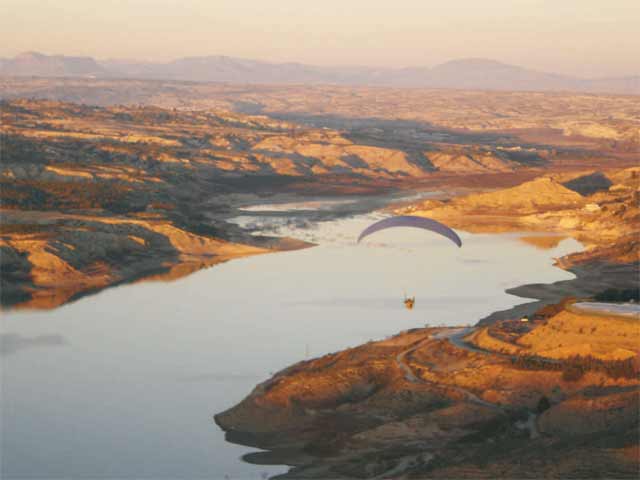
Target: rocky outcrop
338 155
469 162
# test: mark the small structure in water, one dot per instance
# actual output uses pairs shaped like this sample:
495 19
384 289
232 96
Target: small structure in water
408 302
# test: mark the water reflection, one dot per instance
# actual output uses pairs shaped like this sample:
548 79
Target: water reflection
543 242
220 377
12 342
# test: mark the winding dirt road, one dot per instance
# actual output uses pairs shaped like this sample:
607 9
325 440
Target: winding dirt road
455 337
412 377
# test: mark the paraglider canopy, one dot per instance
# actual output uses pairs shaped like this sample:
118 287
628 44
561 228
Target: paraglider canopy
415 222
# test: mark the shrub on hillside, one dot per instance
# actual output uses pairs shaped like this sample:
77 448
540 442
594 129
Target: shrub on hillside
618 295
572 373
543 404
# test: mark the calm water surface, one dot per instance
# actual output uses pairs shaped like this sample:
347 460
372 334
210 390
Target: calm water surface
124 384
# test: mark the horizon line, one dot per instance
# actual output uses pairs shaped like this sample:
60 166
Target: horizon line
296 62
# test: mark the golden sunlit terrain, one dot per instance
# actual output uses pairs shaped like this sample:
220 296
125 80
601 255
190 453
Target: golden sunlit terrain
550 388
95 196
458 403
320 240
114 177
557 118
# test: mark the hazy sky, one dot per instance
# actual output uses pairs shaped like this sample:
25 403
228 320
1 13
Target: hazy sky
580 37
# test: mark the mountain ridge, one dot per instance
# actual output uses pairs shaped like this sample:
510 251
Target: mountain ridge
465 73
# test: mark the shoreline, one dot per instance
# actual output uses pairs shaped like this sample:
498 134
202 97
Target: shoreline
165 269
591 278
146 191
420 418
362 402
164 264
294 434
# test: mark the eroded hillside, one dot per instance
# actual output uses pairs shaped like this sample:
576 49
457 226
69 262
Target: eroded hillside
600 210
591 121
541 389
504 402
93 196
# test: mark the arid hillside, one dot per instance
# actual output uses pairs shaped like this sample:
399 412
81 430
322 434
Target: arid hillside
599 209
44 140
457 403
606 217
93 196
588 121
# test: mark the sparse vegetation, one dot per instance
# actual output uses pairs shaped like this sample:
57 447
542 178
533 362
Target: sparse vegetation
574 368
120 190
543 404
51 195
618 295
572 373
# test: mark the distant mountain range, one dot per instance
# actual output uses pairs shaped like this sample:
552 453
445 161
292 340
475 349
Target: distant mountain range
473 73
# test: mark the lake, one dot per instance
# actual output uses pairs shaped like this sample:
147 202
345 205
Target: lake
124 384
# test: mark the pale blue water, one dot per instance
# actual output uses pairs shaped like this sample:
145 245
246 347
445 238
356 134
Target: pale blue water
123 384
